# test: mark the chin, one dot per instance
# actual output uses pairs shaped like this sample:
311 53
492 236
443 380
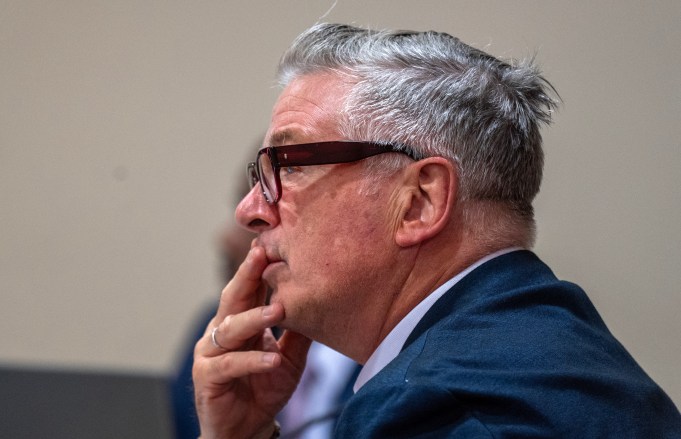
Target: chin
279 295
294 310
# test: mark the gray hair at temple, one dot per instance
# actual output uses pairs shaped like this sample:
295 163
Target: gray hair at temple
433 93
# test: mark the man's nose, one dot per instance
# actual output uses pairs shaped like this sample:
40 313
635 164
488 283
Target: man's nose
254 213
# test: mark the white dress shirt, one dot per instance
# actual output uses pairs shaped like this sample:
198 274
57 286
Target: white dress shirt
326 375
392 344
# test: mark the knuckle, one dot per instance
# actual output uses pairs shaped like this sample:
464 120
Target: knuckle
226 323
225 366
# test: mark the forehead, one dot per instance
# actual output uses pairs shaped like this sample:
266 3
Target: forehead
308 110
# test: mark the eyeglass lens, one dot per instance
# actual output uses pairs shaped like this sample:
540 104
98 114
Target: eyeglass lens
252 175
267 177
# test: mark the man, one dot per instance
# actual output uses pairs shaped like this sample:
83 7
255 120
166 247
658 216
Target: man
393 207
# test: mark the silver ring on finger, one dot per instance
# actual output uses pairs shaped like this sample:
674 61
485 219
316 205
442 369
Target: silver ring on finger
215 340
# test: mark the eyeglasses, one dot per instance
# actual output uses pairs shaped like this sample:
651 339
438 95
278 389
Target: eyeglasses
270 160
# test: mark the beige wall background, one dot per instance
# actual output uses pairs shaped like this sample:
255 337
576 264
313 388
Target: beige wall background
125 124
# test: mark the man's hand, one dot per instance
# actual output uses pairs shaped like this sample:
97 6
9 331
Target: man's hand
242 384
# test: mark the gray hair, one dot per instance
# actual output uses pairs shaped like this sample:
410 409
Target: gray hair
430 92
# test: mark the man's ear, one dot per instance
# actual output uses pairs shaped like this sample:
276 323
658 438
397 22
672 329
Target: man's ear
427 201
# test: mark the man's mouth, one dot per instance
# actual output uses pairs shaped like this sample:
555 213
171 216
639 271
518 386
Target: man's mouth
273 260
272 256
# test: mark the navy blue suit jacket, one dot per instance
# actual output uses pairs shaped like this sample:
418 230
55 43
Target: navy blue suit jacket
511 351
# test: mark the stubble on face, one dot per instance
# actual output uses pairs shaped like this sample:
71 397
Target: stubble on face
331 244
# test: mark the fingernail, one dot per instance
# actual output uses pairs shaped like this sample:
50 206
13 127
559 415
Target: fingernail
269 358
268 311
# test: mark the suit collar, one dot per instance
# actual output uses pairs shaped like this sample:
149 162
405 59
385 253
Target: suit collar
493 275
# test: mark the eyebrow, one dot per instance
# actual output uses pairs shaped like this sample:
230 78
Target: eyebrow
279 138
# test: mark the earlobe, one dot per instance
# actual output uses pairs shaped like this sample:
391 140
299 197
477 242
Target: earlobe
429 195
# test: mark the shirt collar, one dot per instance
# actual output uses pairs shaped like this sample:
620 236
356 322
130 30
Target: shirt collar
392 344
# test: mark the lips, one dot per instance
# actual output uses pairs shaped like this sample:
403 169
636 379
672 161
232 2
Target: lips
273 260
272 273
272 257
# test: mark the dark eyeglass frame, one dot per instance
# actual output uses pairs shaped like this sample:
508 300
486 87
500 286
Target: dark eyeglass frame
318 153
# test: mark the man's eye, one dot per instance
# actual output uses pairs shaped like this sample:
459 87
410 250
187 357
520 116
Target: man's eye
291 169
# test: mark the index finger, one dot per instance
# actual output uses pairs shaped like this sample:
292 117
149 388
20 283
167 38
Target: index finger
246 289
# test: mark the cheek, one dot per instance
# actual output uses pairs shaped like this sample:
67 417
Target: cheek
347 244
331 234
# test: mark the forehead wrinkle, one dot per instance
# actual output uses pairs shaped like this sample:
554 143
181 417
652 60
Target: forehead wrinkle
290 134
308 128
295 100
307 109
